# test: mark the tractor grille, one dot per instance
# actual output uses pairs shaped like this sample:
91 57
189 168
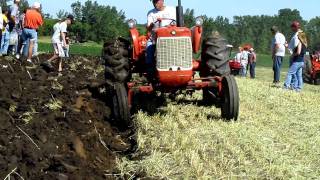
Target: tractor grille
174 52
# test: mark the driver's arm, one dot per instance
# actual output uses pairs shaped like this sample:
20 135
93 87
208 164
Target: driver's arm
150 23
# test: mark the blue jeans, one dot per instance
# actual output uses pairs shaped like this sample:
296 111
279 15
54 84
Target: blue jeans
294 78
27 36
243 71
253 70
5 42
25 48
277 62
150 62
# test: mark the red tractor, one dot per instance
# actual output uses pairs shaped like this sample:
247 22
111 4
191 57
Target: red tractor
311 71
175 67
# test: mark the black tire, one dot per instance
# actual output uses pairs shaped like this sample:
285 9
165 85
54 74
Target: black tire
230 98
317 80
115 55
235 72
215 56
307 69
121 109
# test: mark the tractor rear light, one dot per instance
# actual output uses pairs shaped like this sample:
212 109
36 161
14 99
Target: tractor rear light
132 23
199 21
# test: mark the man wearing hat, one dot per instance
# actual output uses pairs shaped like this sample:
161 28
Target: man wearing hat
252 63
278 53
59 42
297 48
160 11
33 20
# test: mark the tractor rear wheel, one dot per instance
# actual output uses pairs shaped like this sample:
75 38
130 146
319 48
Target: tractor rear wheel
121 110
307 69
230 98
215 56
115 54
117 73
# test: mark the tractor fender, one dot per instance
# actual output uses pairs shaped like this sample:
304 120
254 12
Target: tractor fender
139 43
196 38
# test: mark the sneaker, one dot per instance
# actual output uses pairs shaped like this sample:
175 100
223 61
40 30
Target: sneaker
30 64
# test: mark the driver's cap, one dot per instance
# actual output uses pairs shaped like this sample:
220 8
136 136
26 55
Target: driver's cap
155 1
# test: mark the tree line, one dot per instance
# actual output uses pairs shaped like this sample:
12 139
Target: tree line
101 23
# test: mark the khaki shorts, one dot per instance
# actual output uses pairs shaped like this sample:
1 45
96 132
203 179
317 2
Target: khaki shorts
58 49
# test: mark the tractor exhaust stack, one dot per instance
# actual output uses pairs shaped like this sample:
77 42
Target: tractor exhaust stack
180 19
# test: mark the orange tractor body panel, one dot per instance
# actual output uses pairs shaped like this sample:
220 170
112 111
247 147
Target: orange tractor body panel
175 79
173 31
170 78
315 66
139 44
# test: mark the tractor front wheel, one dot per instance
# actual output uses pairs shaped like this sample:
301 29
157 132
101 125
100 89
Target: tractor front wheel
230 98
121 110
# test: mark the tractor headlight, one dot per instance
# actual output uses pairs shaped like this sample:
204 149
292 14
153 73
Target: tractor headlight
132 23
199 21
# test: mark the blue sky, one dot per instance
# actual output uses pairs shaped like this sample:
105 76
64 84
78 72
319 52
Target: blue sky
138 8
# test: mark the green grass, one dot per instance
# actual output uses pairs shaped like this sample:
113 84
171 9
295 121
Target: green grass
276 137
88 48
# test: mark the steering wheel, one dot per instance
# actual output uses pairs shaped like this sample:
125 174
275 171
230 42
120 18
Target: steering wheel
159 20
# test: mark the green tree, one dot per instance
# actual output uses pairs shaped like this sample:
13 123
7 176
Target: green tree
62 14
313 32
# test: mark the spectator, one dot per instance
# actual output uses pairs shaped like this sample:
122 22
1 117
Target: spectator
15 13
1 27
5 33
15 29
33 20
244 62
297 48
238 55
21 25
252 63
278 53
59 41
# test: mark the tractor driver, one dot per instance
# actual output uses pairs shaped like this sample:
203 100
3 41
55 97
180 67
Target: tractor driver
160 11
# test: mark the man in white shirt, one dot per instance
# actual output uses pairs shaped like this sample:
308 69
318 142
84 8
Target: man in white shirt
278 53
160 11
59 42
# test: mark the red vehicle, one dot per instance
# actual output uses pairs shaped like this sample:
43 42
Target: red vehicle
235 66
175 68
311 71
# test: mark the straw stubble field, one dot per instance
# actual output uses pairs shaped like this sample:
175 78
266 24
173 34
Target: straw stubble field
276 137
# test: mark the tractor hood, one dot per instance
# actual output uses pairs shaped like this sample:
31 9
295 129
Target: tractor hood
173 31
